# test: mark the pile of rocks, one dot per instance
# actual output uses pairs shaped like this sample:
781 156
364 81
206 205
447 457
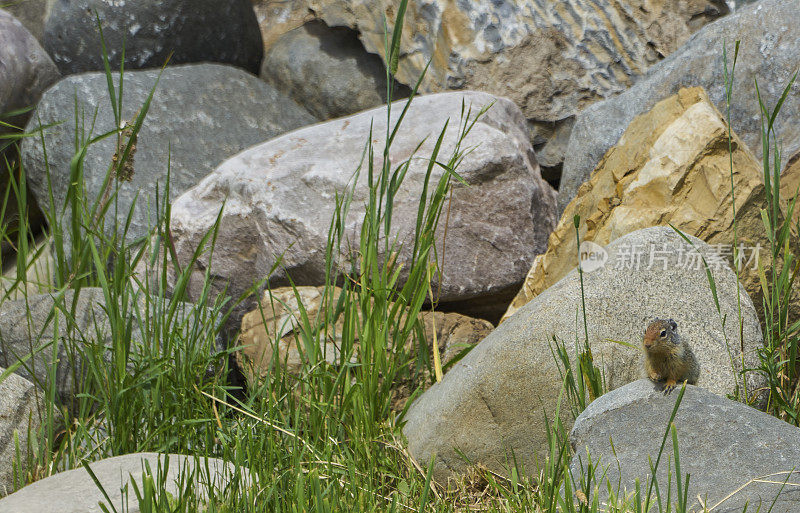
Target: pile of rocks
259 120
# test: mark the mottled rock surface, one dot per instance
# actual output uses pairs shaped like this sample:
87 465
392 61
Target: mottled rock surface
74 491
496 398
152 30
671 166
280 195
722 444
327 71
551 58
200 115
769 32
18 416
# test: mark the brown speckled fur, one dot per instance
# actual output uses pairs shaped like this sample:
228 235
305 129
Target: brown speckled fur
668 360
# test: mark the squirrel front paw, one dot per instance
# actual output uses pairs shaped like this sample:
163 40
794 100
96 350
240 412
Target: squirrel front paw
669 386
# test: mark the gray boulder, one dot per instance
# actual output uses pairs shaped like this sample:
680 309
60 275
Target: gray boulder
74 491
29 324
25 72
25 69
722 444
200 115
150 31
18 417
496 398
769 32
327 71
280 196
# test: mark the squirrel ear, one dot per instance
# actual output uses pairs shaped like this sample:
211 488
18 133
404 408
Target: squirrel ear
673 325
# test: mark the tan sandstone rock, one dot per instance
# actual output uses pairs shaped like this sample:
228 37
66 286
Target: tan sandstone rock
670 167
279 317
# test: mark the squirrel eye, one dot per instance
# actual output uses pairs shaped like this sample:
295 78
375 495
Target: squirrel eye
663 333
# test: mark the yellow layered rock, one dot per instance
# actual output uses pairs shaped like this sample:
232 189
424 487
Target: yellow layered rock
671 166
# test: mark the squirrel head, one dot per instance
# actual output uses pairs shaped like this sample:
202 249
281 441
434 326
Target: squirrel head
661 332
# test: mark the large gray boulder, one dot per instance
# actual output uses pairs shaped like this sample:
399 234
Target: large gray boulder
200 115
25 69
72 323
769 32
722 444
18 418
74 491
151 31
279 200
327 71
496 398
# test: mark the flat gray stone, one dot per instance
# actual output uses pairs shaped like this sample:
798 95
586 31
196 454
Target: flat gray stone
722 444
200 115
152 30
496 398
74 491
769 32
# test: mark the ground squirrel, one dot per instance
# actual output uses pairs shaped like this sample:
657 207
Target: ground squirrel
668 359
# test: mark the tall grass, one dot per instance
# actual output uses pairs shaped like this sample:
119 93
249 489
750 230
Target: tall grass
779 356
